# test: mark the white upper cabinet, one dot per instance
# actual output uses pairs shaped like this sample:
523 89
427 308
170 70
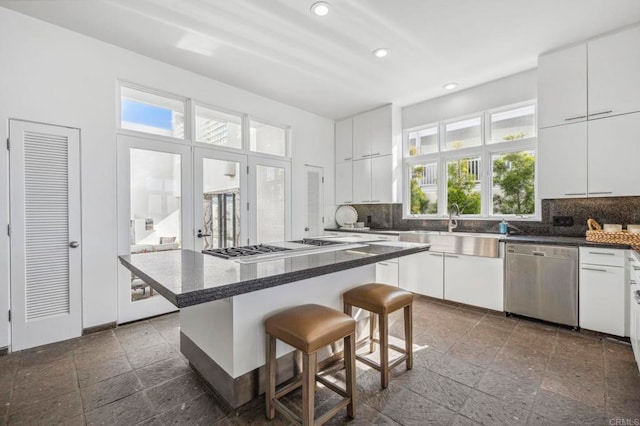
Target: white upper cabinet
362 181
344 182
562 86
372 133
562 161
614 150
381 179
381 131
614 74
344 140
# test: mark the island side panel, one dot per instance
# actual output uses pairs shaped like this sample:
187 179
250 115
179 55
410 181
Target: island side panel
251 309
210 327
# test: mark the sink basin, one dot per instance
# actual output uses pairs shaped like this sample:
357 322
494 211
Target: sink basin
472 244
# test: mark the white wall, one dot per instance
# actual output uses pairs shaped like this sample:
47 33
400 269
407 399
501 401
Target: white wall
55 76
515 88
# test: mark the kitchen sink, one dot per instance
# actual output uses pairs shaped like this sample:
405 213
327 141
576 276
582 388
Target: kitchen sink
467 243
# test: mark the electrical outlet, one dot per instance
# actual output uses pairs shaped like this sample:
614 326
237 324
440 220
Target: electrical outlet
562 220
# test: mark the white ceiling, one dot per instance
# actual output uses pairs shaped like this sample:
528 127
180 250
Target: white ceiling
276 48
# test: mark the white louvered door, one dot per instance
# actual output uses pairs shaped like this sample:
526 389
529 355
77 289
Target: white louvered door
44 173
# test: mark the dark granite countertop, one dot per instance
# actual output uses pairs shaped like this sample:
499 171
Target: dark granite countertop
560 241
187 278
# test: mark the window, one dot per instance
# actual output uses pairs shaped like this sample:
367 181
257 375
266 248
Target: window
151 113
513 185
424 141
513 124
463 134
464 184
424 189
218 128
485 164
267 139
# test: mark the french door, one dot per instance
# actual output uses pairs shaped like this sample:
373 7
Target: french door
154 214
46 257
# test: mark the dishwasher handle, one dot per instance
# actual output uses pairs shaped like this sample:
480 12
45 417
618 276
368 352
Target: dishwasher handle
538 253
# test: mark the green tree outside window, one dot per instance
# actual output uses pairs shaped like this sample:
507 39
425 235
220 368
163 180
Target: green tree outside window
513 175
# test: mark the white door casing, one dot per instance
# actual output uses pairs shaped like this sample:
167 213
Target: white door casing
45 216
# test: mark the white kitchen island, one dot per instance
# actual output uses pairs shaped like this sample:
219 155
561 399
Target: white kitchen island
223 304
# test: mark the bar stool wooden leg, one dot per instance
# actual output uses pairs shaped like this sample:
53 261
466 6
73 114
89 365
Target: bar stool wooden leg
350 373
308 388
372 332
408 335
271 376
384 350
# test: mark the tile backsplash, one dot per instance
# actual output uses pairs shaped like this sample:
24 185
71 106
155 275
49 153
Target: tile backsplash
621 210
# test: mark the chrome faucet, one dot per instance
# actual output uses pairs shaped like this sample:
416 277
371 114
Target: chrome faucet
453 223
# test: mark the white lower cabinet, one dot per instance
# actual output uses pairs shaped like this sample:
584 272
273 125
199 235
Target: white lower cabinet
602 294
422 273
474 280
387 272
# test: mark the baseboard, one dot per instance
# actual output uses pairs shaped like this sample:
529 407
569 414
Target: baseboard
98 328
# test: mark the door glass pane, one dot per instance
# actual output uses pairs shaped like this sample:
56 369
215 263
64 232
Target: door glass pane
218 128
463 184
270 193
424 189
221 203
463 134
155 207
267 139
150 113
513 124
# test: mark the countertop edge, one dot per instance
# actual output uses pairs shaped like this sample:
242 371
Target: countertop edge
216 293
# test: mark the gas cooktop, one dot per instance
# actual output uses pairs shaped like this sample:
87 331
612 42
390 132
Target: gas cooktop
233 252
314 242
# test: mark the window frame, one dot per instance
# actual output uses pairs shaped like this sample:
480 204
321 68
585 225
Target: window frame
486 150
243 118
287 137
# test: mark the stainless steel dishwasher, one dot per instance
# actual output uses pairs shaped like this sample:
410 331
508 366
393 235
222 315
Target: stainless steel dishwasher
541 281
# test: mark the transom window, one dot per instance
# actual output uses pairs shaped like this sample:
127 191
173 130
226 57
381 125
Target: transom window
484 163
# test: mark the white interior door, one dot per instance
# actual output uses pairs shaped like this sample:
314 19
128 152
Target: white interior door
154 214
45 214
270 200
220 188
315 201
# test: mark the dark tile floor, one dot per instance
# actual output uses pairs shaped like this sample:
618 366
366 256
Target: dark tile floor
471 367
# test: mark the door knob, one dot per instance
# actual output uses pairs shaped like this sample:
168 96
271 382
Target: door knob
306 228
74 244
200 234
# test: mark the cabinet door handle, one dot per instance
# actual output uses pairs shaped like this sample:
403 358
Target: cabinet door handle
346 202
366 155
600 113
348 158
601 192
594 269
636 268
632 282
375 201
383 264
575 193
377 153
575 118
450 255
604 253
436 254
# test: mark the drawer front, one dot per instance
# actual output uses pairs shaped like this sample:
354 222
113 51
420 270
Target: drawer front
598 256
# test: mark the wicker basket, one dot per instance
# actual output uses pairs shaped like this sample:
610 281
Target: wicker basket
597 235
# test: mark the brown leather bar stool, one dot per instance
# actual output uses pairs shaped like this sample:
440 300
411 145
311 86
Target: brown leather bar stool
309 328
381 300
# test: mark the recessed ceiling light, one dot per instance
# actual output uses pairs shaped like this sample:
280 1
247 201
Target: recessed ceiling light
450 86
320 8
380 53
